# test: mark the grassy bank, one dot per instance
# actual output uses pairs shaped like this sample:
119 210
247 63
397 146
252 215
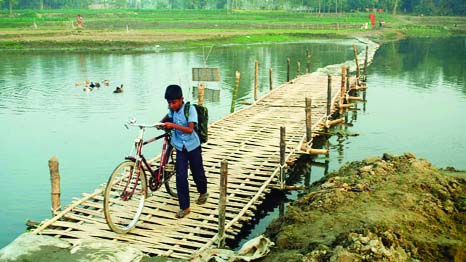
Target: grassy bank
149 30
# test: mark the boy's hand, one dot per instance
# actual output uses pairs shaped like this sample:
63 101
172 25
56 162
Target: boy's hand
168 125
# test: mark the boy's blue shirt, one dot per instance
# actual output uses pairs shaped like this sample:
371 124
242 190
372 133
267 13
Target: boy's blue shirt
179 138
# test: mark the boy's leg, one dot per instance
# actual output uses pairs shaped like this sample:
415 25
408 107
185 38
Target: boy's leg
197 169
182 186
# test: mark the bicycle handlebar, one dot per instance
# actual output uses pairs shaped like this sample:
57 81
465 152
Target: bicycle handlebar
132 122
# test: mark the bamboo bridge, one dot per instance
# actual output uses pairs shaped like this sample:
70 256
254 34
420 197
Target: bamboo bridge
249 140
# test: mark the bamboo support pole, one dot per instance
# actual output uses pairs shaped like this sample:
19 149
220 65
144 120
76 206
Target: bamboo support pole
222 203
308 119
343 106
270 78
282 156
355 50
358 88
342 88
355 98
55 181
298 68
308 61
313 151
235 92
288 70
348 78
331 123
200 95
256 80
329 94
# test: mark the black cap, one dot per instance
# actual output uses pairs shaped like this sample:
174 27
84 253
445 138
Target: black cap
173 92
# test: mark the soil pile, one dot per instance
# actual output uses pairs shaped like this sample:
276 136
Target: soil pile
394 208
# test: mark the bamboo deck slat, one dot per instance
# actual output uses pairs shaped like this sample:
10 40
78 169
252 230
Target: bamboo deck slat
249 140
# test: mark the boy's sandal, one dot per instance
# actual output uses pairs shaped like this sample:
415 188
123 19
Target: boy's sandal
182 213
202 199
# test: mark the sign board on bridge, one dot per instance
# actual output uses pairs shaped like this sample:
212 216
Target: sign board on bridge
206 74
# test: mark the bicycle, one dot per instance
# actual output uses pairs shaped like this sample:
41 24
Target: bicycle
126 189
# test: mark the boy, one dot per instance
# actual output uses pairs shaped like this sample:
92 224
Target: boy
188 149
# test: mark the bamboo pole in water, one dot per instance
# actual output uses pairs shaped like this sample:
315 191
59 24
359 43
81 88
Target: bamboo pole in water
298 68
200 95
288 70
55 181
329 94
270 78
348 79
365 63
308 119
355 50
256 80
308 61
342 88
222 202
235 91
282 156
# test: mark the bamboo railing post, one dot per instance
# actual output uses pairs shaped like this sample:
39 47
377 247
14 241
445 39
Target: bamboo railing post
342 88
365 63
329 94
55 181
282 156
256 80
308 61
348 79
235 92
200 94
357 63
298 68
270 78
222 203
288 70
308 119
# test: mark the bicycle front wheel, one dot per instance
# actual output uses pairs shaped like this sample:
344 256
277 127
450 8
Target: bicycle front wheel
124 197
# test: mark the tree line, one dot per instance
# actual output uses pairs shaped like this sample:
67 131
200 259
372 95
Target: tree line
425 7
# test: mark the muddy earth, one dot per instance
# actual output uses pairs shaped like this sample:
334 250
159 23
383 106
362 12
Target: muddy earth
390 208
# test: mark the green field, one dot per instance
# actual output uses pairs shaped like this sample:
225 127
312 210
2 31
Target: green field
133 30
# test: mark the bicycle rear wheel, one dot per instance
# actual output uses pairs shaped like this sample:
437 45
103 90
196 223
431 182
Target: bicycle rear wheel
124 197
169 173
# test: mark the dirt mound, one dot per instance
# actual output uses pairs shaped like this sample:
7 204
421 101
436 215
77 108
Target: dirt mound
394 208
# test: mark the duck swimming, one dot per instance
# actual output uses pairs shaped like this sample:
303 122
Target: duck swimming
119 89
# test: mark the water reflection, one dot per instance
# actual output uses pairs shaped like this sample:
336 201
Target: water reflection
425 62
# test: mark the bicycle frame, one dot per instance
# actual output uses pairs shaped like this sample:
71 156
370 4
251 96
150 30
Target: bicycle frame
141 160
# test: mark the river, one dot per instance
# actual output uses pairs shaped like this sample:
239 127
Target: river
416 99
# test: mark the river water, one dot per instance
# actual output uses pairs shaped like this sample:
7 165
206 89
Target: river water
416 100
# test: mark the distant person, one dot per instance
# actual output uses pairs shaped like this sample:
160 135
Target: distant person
80 21
381 22
372 18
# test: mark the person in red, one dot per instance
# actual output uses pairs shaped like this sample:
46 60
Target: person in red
372 18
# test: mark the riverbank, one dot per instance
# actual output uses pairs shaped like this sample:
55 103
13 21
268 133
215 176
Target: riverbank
162 30
390 208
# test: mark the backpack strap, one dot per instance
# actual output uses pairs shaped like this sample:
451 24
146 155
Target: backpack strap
187 106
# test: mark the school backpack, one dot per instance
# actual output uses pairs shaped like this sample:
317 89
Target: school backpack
202 120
